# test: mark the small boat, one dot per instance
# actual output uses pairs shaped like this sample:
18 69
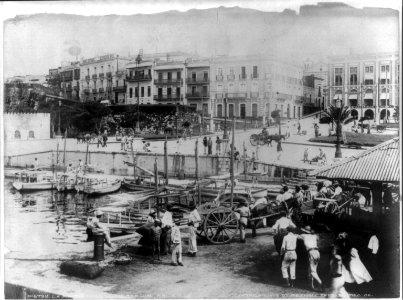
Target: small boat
97 186
141 183
66 182
211 190
34 181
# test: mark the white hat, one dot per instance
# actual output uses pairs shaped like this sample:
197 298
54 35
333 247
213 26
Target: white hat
98 212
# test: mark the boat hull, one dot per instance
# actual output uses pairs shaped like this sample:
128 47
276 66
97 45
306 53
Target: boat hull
34 186
100 189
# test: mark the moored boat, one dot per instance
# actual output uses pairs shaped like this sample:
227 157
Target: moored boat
97 186
34 181
141 183
66 182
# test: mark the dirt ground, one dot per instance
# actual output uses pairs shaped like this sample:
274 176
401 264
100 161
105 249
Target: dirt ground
234 270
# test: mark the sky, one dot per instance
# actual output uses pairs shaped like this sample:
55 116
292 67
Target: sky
33 65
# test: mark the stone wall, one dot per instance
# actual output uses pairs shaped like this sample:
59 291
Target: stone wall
27 126
113 163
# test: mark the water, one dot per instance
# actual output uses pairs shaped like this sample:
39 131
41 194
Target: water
47 223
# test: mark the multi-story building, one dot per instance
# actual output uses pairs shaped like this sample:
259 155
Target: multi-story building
168 82
104 78
253 86
139 82
70 81
315 83
368 84
197 85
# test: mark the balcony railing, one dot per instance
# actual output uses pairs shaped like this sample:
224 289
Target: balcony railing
254 76
108 89
69 89
95 76
197 95
254 95
101 90
67 78
231 77
86 91
243 77
197 80
219 96
87 77
167 98
236 95
137 78
120 73
101 75
219 78
94 91
168 81
119 89
108 74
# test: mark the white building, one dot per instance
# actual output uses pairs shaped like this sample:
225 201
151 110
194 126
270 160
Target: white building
21 126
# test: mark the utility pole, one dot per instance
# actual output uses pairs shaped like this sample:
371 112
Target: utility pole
138 61
225 136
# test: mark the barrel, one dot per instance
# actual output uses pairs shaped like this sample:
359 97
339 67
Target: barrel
99 239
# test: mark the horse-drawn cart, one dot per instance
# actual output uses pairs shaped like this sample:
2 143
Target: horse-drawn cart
262 139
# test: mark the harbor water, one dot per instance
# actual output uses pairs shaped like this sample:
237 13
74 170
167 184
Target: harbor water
47 224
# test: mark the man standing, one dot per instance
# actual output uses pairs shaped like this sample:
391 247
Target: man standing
280 230
167 224
310 240
244 213
210 146
205 145
373 247
36 164
218 146
177 245
279 149
289 256
194 222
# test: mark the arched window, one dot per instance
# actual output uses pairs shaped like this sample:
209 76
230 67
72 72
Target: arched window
31 134
17 134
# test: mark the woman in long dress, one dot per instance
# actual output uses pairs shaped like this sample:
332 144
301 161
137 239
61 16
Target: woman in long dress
356 272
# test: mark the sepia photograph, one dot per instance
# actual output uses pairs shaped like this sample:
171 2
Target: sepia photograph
211 149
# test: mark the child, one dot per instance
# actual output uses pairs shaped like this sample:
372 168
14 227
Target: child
306 155
177 245
156 236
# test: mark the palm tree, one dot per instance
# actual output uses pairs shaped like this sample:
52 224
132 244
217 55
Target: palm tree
275 114
339 116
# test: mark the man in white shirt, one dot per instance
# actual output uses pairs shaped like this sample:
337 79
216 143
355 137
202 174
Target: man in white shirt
310 240
337 191
194 222
373 247
177 245
167 224
289 256
280 230
36 166
93 226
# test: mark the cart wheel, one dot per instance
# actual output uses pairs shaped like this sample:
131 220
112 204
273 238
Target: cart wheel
254 138
332 208
220 225
203 210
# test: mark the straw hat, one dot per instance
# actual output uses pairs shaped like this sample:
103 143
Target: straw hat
307 229
98 212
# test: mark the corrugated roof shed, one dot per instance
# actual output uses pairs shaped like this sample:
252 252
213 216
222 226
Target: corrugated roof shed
380 163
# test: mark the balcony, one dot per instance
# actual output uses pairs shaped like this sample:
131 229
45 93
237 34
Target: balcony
168 81
138 78
94 91
219 78
119 89
95 76
69 89
120 73
101 75
108 89
191 80
243 77
236 96
254 76
87 77
197 95
86 91
67 78
108 74
254 95
219 96
231 77
166 98
101 90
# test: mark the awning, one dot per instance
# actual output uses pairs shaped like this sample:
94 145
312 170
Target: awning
384 96
338 96
352 97
369 96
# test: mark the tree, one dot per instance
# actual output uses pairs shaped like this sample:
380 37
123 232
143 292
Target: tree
275 114
89 117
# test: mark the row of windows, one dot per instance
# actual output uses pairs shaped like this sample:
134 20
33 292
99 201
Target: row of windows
254 112
142 90
17 134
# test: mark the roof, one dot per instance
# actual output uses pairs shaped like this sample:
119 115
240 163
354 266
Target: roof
380 163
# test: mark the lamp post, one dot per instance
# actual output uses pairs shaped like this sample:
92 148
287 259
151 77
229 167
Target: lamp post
59 132
138 61
338 129
225 136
